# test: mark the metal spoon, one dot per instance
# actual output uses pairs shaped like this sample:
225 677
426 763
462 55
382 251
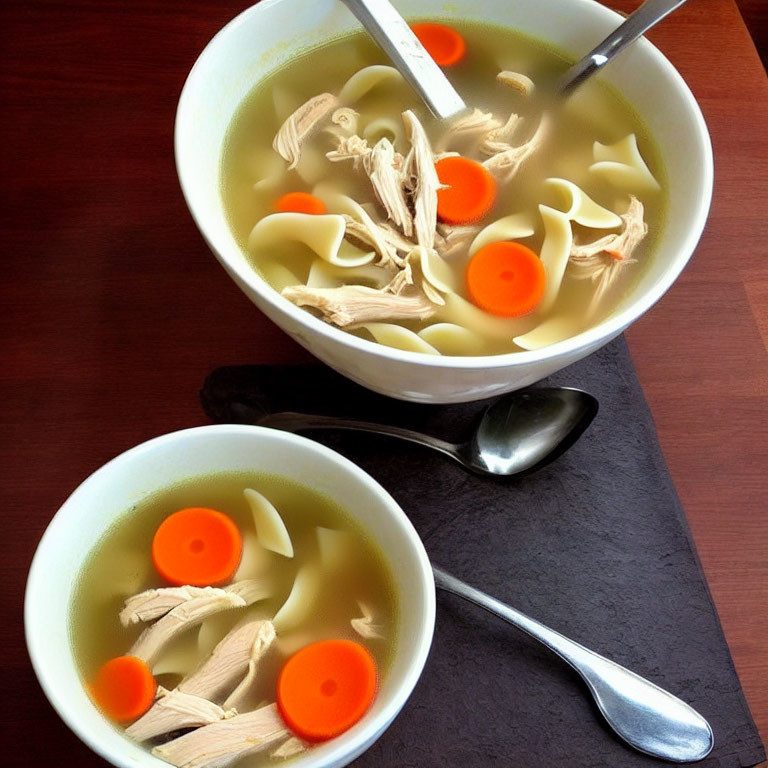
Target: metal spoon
391 31
518 433
647 717
650 13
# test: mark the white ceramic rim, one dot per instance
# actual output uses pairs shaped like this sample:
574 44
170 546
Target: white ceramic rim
335 752
573 345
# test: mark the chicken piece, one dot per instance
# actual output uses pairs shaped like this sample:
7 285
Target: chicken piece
297 127
454 240
499 139
387 184
190 613
228 662
364 625
519 82
351 304
506 160
385 240
346 120
173 710
472 127
352 148
420 178
265 636
604 261
222 743
289 748
153 603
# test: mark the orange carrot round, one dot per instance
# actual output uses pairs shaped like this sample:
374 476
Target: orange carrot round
325 688
299 202
123 688
444 44
469 192
506 279
197 546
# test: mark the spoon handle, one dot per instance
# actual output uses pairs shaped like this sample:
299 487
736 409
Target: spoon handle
390 30
650 13
297 422
644 715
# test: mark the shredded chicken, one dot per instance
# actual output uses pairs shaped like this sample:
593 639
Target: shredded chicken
603 261
352 148
521 83
262 643
367 232
351 304
474 126
289 748
365 625
297 127
228 662
506 160
453 240
499 139
222 743
387 184
346 120
174 710
153 603
420 177
190 613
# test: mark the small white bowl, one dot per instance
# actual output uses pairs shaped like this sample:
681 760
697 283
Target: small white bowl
267 35
158 463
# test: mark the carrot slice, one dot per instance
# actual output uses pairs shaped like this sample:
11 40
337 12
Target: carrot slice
299 202
444 44
469 192
506 279
197 546
123 688
325 688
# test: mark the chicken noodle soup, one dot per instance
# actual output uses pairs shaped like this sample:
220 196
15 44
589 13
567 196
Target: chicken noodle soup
264 583
354 203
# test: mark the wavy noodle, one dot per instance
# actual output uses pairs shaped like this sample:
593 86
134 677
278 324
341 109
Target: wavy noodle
452 339
365 80
303 596
286 103
580 207
385 128
555 251
458 311
553 329
312 164
513 227
622 165
323 234
396 336
325 275
278 275
255 560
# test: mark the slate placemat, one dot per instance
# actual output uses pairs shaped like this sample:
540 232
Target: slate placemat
595 545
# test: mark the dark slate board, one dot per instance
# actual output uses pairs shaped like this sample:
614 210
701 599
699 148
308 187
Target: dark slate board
595 545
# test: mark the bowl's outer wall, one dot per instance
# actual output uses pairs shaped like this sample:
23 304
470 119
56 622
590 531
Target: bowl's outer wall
111 490
245 51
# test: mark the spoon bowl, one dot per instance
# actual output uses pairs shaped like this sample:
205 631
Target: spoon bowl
517 434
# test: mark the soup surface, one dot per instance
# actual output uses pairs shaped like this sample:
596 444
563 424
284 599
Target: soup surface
578 186
336 585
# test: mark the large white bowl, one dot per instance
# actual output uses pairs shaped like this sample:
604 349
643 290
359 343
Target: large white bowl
267 35
111 490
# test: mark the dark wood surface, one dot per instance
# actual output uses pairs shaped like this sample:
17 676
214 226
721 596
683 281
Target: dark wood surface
112 310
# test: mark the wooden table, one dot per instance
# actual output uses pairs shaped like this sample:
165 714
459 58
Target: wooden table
113 310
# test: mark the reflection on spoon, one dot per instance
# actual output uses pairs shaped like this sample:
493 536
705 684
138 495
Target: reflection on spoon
647 717
518 433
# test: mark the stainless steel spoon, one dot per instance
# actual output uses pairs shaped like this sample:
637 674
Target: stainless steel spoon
518 433
650 13
392 33
647 717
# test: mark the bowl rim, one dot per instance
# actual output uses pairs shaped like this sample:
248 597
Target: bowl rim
334 751
579 344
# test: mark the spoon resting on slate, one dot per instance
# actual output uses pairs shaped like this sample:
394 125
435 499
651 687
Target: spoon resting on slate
647 717
392 33
517 434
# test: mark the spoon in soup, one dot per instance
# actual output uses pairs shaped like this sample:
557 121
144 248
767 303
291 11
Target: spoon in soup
517 434
647 717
